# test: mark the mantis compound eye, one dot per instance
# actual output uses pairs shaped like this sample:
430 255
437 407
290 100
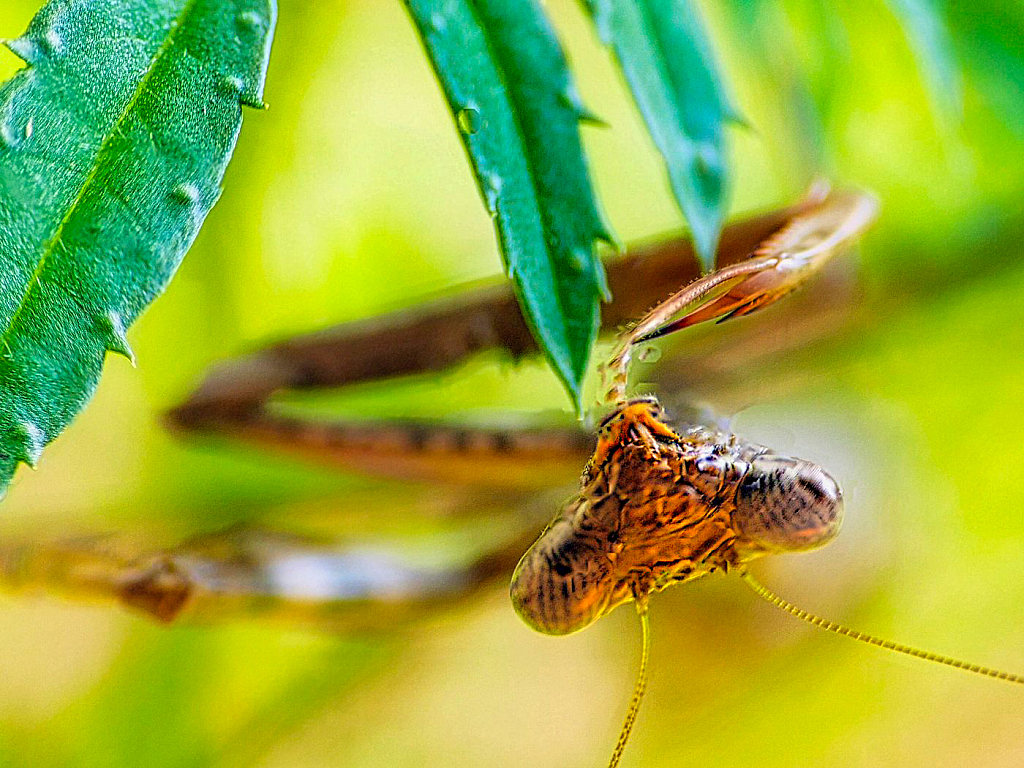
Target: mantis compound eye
787 505
563 582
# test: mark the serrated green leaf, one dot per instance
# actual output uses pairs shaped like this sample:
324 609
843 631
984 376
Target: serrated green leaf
113 144
517 110
666 57
929 38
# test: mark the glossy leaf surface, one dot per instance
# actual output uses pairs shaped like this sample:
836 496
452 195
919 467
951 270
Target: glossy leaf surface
113 143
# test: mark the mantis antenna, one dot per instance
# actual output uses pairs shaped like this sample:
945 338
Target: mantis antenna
638 692
830 626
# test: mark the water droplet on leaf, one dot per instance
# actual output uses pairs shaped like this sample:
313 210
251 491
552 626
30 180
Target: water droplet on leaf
186 194
579 259
235 84
649 354
707 165
469 120
492 188
250 21
32 444
54 41
9 136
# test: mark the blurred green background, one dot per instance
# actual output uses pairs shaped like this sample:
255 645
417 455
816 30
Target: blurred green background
352 196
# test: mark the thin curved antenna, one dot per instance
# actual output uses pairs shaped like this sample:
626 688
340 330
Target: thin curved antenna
831 626
638 692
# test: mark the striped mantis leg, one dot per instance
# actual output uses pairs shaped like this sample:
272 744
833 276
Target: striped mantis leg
241 572
660 505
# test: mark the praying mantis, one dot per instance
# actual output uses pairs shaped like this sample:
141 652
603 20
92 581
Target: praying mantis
702 500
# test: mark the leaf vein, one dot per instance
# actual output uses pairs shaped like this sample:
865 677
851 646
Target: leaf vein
177 24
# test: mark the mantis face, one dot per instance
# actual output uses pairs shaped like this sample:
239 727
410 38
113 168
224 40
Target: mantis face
657 508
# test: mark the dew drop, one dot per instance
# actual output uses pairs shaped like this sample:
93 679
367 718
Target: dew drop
649 354
236 84
469 120
250 21
707 165
492 189
29 127
34 441
54 41
8 136
579 259
186 194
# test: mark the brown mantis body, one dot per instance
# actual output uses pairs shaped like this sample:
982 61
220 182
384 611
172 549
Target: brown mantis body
657 504
657 508
242 573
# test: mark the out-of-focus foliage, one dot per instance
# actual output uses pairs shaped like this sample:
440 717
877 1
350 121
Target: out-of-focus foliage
926 31
987 37
518 113
918 415
113 143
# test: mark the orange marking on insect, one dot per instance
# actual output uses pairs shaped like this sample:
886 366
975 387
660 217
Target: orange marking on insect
657 508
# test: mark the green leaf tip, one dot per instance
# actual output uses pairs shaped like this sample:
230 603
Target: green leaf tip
133 107
666 57
518 113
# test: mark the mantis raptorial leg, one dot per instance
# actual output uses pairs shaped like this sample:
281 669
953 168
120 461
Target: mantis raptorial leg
396 344
233 400
777 267
202 581
246 573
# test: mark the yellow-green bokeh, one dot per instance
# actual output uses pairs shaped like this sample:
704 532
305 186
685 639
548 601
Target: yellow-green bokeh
352 196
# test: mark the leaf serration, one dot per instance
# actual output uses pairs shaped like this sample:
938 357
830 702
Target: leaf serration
25 48
31 445
91 242
116 336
